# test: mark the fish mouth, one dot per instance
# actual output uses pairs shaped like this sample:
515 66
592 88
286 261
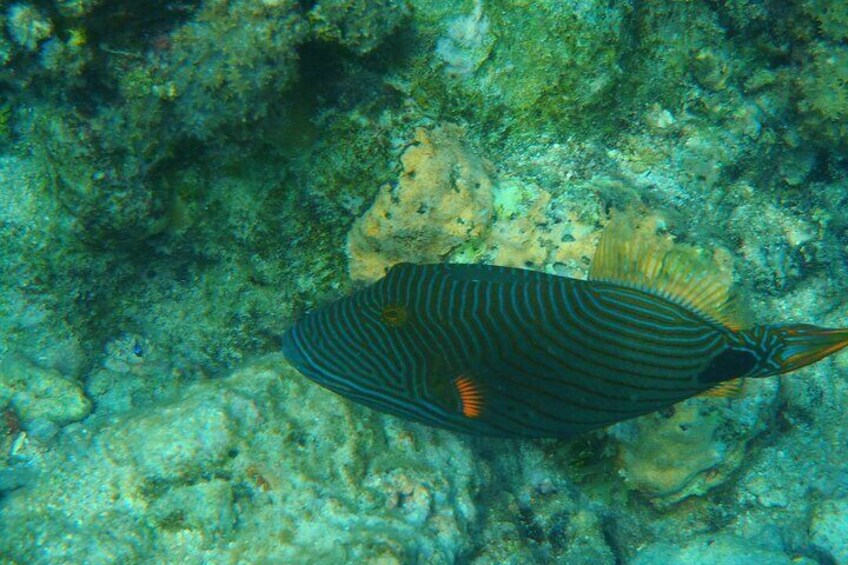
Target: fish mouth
298 357
803 345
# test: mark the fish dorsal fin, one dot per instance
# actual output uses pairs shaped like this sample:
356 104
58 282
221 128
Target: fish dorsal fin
728 389
635 256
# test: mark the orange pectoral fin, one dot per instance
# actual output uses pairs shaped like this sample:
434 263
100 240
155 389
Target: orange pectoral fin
470 396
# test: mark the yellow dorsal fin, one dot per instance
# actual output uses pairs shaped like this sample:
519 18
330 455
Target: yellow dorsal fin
728 389
637 257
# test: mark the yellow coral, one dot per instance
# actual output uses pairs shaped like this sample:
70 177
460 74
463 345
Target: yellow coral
671 458
531 239
443 208
442 200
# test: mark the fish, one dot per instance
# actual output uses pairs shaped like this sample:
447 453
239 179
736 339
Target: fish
509 352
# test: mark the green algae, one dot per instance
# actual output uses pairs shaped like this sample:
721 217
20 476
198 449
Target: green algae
831 17
571 67
5 119
824 87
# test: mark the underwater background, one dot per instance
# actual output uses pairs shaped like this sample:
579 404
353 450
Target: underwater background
181 180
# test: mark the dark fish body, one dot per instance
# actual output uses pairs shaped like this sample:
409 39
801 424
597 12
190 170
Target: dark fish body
551 356
510 352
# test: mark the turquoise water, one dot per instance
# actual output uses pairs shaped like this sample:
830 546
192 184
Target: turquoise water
182 180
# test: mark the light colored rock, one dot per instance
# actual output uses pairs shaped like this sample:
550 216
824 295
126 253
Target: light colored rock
694 446
829 529
668 453
260 467
40 394
180 441
715 550
525 235
206 506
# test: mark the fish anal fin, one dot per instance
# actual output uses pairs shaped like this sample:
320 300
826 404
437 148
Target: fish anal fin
634 255
734 388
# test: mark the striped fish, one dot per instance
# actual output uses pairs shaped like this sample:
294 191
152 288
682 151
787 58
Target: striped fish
516 353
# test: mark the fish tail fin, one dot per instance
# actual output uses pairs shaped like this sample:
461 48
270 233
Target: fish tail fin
803 344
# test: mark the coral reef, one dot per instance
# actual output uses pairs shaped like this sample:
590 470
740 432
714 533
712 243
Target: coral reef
112 162
179 179
116 116
448 204
239 468
694 446
830 17
356 24
28 26
538 513
712 550
242 43
569 65
467 43
33 300
824 89
531 230
671 456
40 394
829 528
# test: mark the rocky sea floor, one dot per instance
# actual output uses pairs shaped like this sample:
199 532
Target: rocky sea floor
182 180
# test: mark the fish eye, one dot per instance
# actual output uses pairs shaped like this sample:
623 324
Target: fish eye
394 315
